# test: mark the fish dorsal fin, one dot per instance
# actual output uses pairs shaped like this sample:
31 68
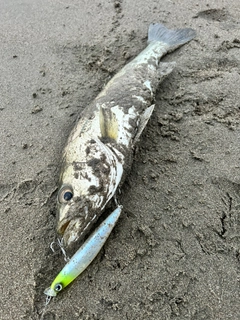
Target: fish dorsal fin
108 123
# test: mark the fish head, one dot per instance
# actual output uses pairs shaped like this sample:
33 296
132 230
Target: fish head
87 183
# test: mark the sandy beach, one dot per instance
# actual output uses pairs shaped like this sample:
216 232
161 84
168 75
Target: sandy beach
175 251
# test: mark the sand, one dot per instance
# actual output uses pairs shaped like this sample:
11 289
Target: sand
175 252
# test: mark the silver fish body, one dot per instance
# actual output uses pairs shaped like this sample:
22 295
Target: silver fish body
99 149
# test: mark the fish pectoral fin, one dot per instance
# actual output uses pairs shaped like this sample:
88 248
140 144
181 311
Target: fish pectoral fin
164 69
143 122
108 123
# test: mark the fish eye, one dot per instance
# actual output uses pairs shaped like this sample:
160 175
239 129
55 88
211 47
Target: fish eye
58 287
65 194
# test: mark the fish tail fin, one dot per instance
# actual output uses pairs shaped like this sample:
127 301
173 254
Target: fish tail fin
173 38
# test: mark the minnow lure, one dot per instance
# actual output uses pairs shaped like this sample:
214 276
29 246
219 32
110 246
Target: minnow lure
98 153
85 255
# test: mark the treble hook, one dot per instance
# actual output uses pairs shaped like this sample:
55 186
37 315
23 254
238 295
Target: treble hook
60 245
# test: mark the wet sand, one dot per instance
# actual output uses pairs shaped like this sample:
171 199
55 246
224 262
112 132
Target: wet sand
175 252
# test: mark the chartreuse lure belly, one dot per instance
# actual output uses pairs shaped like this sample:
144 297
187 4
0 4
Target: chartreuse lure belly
85 255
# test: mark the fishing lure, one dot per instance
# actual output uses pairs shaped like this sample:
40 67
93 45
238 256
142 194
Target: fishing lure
85 255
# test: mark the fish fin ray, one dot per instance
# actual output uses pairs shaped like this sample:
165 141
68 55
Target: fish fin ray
143 122
108 123
173 38
164 69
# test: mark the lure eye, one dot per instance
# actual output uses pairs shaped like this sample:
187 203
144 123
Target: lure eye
58 287
65 194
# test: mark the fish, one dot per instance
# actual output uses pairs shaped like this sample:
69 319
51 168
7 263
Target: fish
84 255
99 151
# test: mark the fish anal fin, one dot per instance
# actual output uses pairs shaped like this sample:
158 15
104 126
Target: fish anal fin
164 69
108 123
143 122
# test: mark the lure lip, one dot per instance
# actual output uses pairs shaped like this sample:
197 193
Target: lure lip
50 292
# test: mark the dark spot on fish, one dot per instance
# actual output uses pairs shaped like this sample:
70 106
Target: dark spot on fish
106 140
77 166
93 162
104 165
122 149
130 130
105 170
93 189
103 157
91 116
76 175
83 175
87 177
133 123
87 150
92 141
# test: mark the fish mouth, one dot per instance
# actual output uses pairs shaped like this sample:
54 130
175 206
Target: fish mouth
70 230
62 228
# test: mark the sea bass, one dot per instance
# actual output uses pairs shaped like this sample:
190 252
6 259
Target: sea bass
99 149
